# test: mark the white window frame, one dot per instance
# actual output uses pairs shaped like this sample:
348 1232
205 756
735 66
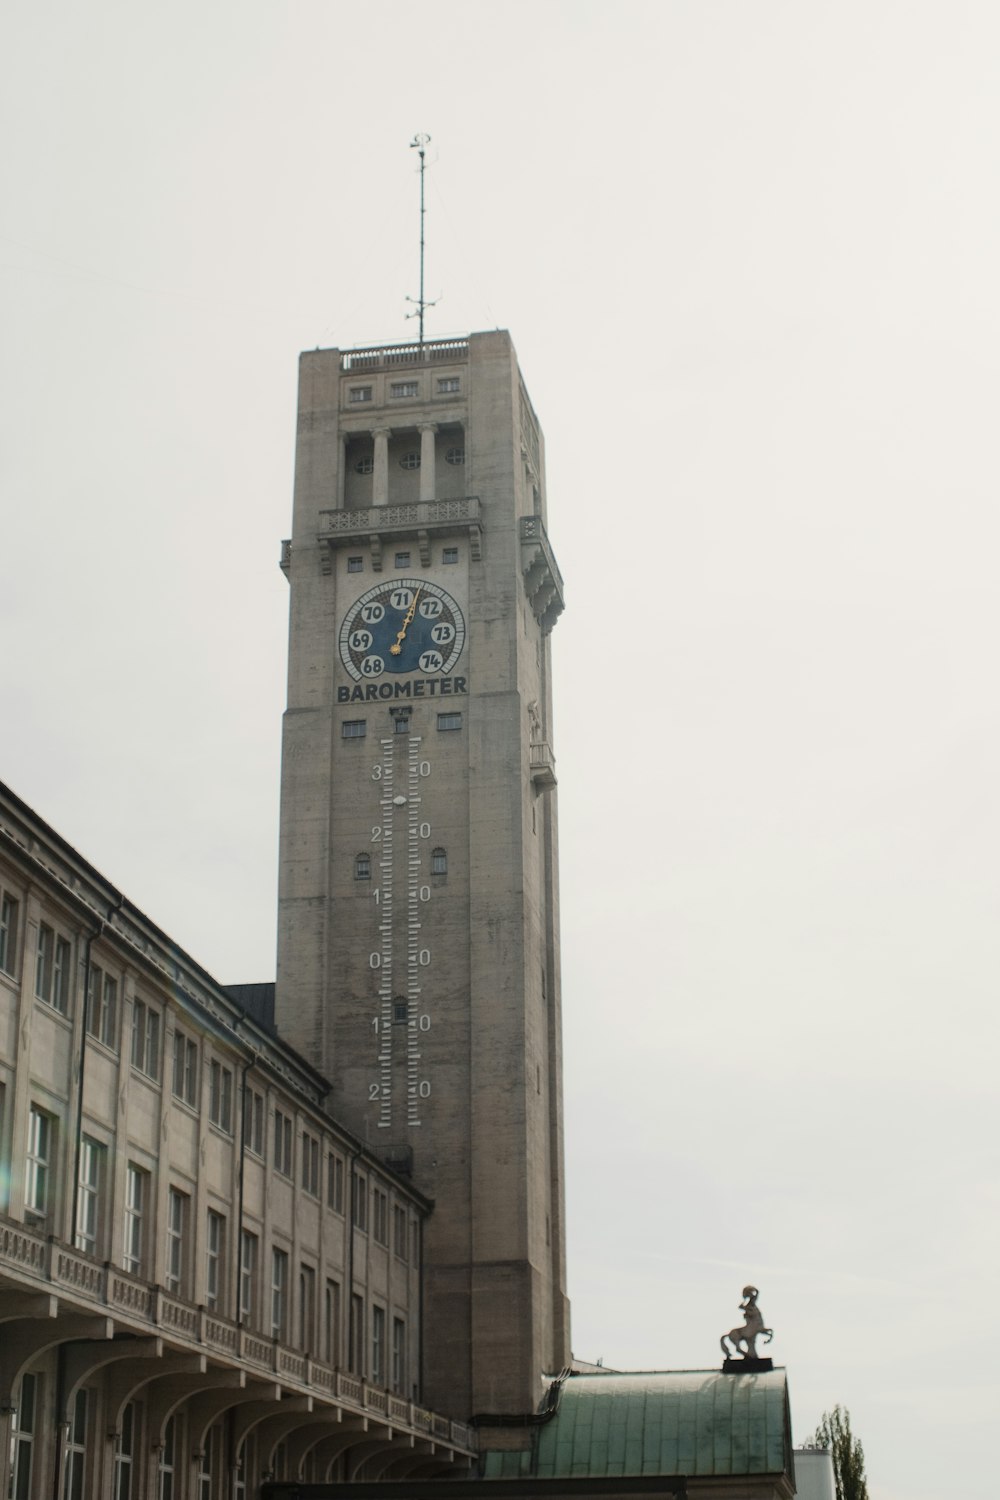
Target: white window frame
102 1006
399 1356
146 1037
136 1196
249 1256
184 1081
38 1162
279 1294
23 1426
88 1196
76 1449
220 1095
215 1253
378 1344
253 1122
9 908
53 962
125 1447
178 1208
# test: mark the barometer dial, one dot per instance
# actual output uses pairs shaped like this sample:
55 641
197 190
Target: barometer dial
405 625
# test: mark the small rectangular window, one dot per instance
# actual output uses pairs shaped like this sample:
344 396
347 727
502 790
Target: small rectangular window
380 1216
185 1069
447 384
357 1335
353 729
102 1006
215 1259
24 1420
253 1121
359 1201
282 1143
398 1356
355 565
361 393
52 968
402 559
449 721
248 1277
75 1460
8 932
125 1446
307 1306
88 1198
177 1222
136 1195
38 1165
403 388
145 1039
449 554
220 1096
279 1294
378 1345
331 1323
310 1163
399 1230
335 1183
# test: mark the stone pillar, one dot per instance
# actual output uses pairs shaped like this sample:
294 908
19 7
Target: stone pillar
341 472
380 470
428 472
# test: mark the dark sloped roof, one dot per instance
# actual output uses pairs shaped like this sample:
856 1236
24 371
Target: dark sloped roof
669 1422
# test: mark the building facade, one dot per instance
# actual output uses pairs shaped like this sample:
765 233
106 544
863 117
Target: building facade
418 945
205 1281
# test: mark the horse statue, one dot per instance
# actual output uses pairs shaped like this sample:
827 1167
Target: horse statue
752 1329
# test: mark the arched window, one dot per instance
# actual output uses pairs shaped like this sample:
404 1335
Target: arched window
439 862
363 867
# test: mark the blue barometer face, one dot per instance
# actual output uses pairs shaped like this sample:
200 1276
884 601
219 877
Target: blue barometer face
405 625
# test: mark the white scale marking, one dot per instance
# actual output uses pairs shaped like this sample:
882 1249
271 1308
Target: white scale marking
385 945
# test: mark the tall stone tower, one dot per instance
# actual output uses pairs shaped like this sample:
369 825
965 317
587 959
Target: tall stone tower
418 946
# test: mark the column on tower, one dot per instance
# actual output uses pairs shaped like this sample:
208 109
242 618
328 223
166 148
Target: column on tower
428 472
342 471
380 468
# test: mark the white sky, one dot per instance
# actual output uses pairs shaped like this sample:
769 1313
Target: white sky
749 256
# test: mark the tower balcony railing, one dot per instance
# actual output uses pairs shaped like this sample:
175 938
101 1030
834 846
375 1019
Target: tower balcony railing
390 356
30 1261
417 522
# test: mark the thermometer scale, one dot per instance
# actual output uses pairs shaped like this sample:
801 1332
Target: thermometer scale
389 1020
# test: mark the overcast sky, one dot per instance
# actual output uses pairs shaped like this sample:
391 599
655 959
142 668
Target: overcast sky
748 253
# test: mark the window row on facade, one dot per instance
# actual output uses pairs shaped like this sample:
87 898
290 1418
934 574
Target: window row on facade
406 390
356 562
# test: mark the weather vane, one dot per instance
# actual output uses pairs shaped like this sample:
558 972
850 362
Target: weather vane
419 143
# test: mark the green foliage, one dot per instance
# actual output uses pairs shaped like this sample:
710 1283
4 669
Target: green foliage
834 1432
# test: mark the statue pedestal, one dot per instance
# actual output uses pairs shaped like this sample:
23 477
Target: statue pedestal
744 1366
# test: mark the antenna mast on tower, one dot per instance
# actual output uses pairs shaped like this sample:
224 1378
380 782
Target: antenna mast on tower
419 143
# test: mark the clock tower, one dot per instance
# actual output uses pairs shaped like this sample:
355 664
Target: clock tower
418 942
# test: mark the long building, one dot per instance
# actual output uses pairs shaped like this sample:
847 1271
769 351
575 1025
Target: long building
205 1280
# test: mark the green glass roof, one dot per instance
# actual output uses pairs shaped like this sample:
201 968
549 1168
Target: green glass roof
658 1422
